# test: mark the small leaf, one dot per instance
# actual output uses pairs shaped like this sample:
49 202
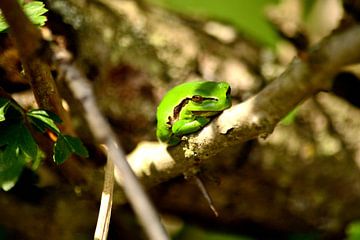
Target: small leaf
3 24
16 134
26 142
12 162
61 150
46 114
65 146
76 145
4 105
35 10
43 120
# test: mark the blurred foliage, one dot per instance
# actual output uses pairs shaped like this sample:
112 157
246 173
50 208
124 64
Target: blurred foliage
35 10
290 117
307 6
353 230
247 16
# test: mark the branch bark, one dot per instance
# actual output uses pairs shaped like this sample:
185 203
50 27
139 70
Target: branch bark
31 48
255 117
29 43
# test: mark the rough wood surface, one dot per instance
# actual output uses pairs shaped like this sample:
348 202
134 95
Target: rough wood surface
303 176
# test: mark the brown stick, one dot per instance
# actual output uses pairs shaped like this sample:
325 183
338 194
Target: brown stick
28 41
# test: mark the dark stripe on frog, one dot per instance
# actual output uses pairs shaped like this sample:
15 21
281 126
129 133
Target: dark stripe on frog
177 109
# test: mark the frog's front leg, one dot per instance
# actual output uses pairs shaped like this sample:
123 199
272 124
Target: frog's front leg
187 126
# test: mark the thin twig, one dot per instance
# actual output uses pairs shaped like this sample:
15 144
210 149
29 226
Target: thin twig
82 90
206 194
102 226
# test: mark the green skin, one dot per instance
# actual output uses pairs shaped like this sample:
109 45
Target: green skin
188 107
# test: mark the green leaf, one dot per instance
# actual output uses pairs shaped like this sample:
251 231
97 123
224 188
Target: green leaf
12 162
47 114
290 118
43 120
7 133
65 146
26 142
4 105
17 146
35 10
16 134
3 24
39 157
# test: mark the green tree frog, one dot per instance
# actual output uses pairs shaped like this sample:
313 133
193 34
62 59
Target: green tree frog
188 107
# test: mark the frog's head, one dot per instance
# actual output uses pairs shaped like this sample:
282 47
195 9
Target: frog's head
210 98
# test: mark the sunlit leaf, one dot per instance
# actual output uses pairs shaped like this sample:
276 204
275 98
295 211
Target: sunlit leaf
43 120
4 105
3 24
35 10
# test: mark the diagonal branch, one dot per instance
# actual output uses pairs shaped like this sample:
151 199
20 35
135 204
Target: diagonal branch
255 117
31 48
103 134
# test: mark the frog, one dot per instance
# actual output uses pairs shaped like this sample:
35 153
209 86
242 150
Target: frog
189 107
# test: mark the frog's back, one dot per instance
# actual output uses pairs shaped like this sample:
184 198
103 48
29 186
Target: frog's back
175 96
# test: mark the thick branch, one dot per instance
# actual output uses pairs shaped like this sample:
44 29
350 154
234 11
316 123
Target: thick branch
255 117
29 43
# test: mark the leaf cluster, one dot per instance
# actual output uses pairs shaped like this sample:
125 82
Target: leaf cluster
18 147
35 10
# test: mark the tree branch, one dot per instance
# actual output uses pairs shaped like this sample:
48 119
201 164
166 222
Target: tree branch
31 48
29 43
255 117
103 134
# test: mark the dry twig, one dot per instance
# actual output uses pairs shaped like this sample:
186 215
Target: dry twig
102 226
82 90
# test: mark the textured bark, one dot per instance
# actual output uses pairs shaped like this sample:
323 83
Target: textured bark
304 176
282 182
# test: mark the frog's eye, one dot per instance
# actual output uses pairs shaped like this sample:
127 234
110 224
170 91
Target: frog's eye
197 98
